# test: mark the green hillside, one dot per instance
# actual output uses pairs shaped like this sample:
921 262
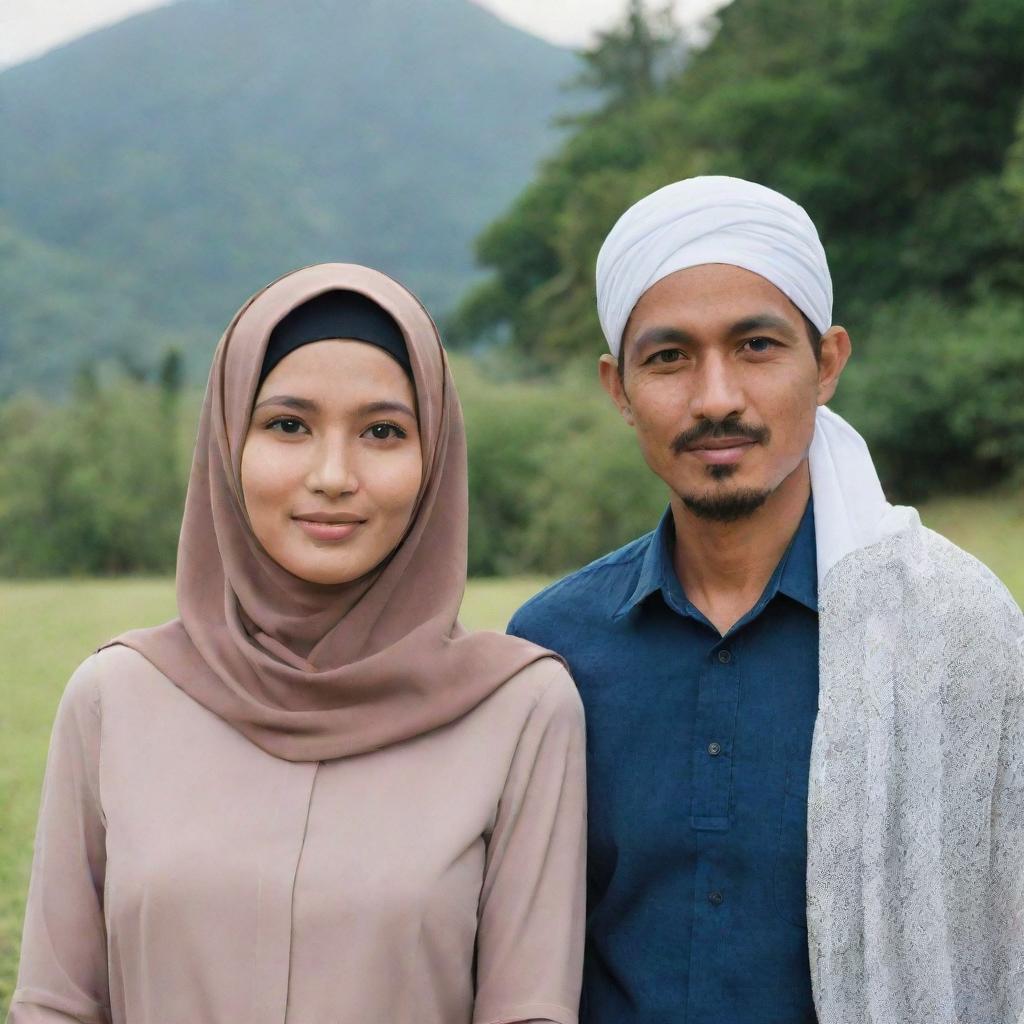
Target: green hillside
159 171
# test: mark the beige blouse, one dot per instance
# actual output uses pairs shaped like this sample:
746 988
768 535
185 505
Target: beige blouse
184 876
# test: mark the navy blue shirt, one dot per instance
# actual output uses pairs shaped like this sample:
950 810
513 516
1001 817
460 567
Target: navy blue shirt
698 750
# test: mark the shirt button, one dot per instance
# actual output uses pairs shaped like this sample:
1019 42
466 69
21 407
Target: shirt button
715 898
724 657
714 749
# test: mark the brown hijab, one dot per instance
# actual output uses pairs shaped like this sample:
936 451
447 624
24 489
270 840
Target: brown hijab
306 671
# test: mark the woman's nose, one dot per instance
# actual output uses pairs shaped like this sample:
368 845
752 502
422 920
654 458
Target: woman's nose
332 470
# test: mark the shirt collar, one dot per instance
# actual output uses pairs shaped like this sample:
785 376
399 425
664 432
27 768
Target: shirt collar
799 576
656 571
796 575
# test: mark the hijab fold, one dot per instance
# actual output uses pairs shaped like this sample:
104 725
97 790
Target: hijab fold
312 672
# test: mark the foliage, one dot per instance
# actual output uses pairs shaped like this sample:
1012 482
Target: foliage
555 477
891 121
939 396
93 486
628 60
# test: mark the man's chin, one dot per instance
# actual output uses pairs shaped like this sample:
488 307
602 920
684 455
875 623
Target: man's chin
726 506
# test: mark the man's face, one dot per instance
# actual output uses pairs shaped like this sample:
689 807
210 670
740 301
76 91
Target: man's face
721 384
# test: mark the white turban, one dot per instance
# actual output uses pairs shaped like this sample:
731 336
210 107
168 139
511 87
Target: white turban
712 219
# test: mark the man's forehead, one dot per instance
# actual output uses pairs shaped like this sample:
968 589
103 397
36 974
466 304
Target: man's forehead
711 297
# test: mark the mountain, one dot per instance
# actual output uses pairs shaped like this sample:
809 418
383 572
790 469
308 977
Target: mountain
169 165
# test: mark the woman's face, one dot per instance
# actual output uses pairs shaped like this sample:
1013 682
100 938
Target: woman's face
332 465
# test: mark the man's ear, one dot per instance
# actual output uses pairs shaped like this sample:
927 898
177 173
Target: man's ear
608 371
835 351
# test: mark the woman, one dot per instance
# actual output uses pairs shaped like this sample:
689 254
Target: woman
314 798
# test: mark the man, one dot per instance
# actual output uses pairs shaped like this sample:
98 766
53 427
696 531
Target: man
738 872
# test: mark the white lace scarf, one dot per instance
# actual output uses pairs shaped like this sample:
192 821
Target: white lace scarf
915 873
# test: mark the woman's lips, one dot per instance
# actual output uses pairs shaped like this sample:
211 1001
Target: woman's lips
721 451
327 531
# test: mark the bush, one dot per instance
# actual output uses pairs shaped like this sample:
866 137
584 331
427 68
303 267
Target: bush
94 486
555 478
938 394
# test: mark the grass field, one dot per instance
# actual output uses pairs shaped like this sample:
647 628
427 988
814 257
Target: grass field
46 628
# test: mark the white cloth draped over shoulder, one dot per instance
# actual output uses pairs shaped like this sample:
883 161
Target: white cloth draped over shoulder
915 873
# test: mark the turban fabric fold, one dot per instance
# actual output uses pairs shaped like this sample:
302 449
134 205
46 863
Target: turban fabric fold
712 219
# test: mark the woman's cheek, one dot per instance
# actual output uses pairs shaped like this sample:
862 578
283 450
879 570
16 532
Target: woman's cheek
269 472
394 480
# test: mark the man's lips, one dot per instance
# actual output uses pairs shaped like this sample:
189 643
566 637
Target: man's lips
721 451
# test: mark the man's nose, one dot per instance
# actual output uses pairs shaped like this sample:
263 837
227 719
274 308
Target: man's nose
717 393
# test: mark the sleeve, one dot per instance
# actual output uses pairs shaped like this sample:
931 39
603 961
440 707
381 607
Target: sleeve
532 903
62 975
1007 849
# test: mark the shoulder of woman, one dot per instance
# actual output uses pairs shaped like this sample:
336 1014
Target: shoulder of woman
552 692
98 672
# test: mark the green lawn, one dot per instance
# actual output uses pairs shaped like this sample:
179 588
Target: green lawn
991 529
46 628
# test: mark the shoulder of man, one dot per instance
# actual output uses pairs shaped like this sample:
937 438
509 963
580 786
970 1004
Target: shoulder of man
980 591
927 571
600 586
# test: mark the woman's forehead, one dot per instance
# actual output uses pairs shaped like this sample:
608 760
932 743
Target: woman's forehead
336 373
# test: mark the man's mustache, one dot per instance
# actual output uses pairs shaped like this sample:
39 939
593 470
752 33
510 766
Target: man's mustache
729 427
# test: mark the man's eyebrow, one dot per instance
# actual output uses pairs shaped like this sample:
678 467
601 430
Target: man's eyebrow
763 322
659 336
290 402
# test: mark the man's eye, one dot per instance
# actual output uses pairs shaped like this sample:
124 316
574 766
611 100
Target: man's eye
385 431
286 425
667 355
760 345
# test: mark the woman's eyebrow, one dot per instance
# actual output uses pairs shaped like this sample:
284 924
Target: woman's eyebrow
386 406
304 404
308 405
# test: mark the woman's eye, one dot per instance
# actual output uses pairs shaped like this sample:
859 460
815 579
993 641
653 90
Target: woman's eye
385 431
760 345
286 425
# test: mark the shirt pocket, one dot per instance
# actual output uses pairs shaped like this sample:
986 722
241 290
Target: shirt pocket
789 880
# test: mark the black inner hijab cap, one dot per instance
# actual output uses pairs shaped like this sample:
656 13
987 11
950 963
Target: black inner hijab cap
336 314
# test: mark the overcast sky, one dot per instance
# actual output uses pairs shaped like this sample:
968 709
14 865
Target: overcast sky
30 27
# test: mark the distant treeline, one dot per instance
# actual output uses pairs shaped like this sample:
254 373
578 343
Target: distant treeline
94 484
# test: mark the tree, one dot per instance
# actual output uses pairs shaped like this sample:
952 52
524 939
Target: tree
889 120
628 62
541 251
